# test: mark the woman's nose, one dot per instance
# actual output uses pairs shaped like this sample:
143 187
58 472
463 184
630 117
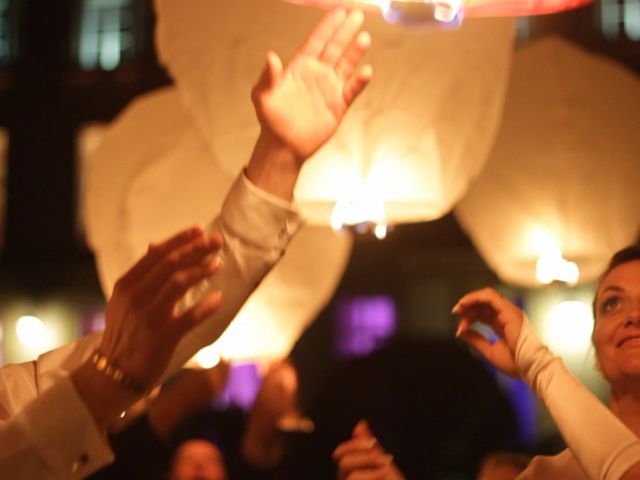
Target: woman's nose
633 317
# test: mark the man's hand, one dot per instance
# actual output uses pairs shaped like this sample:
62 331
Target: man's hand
303 104
143 325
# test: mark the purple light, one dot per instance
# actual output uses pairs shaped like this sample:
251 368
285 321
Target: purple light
242 386
92 321
363 324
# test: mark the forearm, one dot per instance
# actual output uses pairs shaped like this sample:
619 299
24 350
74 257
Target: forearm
256 228
273 168
602 444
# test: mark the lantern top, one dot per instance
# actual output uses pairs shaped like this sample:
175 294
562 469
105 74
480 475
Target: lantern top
448 13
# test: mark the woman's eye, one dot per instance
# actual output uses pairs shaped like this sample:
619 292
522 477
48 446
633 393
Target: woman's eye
610 304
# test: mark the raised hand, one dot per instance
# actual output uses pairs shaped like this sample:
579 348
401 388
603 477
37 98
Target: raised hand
302 105
143 324
487 306
362 458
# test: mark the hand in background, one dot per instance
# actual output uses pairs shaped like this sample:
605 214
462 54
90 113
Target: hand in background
362 458
487 306
262 443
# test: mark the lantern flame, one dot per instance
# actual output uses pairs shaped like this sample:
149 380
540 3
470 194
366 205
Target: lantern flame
551 266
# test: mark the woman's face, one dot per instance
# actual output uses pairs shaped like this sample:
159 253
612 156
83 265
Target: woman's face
617 331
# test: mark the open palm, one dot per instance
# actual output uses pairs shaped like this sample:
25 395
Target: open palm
303 104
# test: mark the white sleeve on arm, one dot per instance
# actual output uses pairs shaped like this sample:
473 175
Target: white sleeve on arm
602 444
257 227
47 432
53 436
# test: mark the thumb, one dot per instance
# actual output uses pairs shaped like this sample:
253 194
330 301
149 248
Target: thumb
362 429
477 342
272 71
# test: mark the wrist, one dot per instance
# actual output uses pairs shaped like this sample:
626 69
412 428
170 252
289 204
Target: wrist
104 398
274 167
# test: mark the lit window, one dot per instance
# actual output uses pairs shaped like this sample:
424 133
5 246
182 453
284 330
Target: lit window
620 18
107 33
7 31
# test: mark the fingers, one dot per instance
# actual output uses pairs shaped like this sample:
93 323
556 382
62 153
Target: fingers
356 84
354 53
477 342
177 264
362 429
181 280
353 445
343 38
271 74
486 296
157 251
199 312
322 33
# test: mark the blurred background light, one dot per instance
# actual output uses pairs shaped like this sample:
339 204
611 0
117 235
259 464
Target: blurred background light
34 334
207 357
568 327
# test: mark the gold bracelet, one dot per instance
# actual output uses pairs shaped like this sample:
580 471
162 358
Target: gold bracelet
115 373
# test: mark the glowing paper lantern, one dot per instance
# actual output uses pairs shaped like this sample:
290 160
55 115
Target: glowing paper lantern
409 145
449 12
153 175
564 172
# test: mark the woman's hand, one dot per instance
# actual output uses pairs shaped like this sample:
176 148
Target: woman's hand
487 306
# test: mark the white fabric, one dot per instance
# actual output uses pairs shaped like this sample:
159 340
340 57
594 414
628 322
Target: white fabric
46 432
152 175
414 139
599 442
564 168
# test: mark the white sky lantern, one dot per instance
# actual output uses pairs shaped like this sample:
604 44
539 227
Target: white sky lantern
564 172
153 175
410 144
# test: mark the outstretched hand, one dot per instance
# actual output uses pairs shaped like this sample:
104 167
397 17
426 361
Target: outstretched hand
143 323
362 458
487 306
303 104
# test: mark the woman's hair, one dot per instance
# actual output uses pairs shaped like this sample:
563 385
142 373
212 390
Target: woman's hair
627 254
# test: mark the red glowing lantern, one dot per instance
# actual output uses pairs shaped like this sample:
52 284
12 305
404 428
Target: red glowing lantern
449 12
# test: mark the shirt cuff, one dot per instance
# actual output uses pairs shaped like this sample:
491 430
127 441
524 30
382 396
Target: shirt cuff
258 217
64 432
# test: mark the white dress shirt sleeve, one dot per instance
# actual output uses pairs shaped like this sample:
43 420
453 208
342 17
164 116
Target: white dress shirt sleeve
47 432
603 446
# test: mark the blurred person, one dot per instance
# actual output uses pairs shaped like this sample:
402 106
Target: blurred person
274 411
55 411
198 459
602 443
